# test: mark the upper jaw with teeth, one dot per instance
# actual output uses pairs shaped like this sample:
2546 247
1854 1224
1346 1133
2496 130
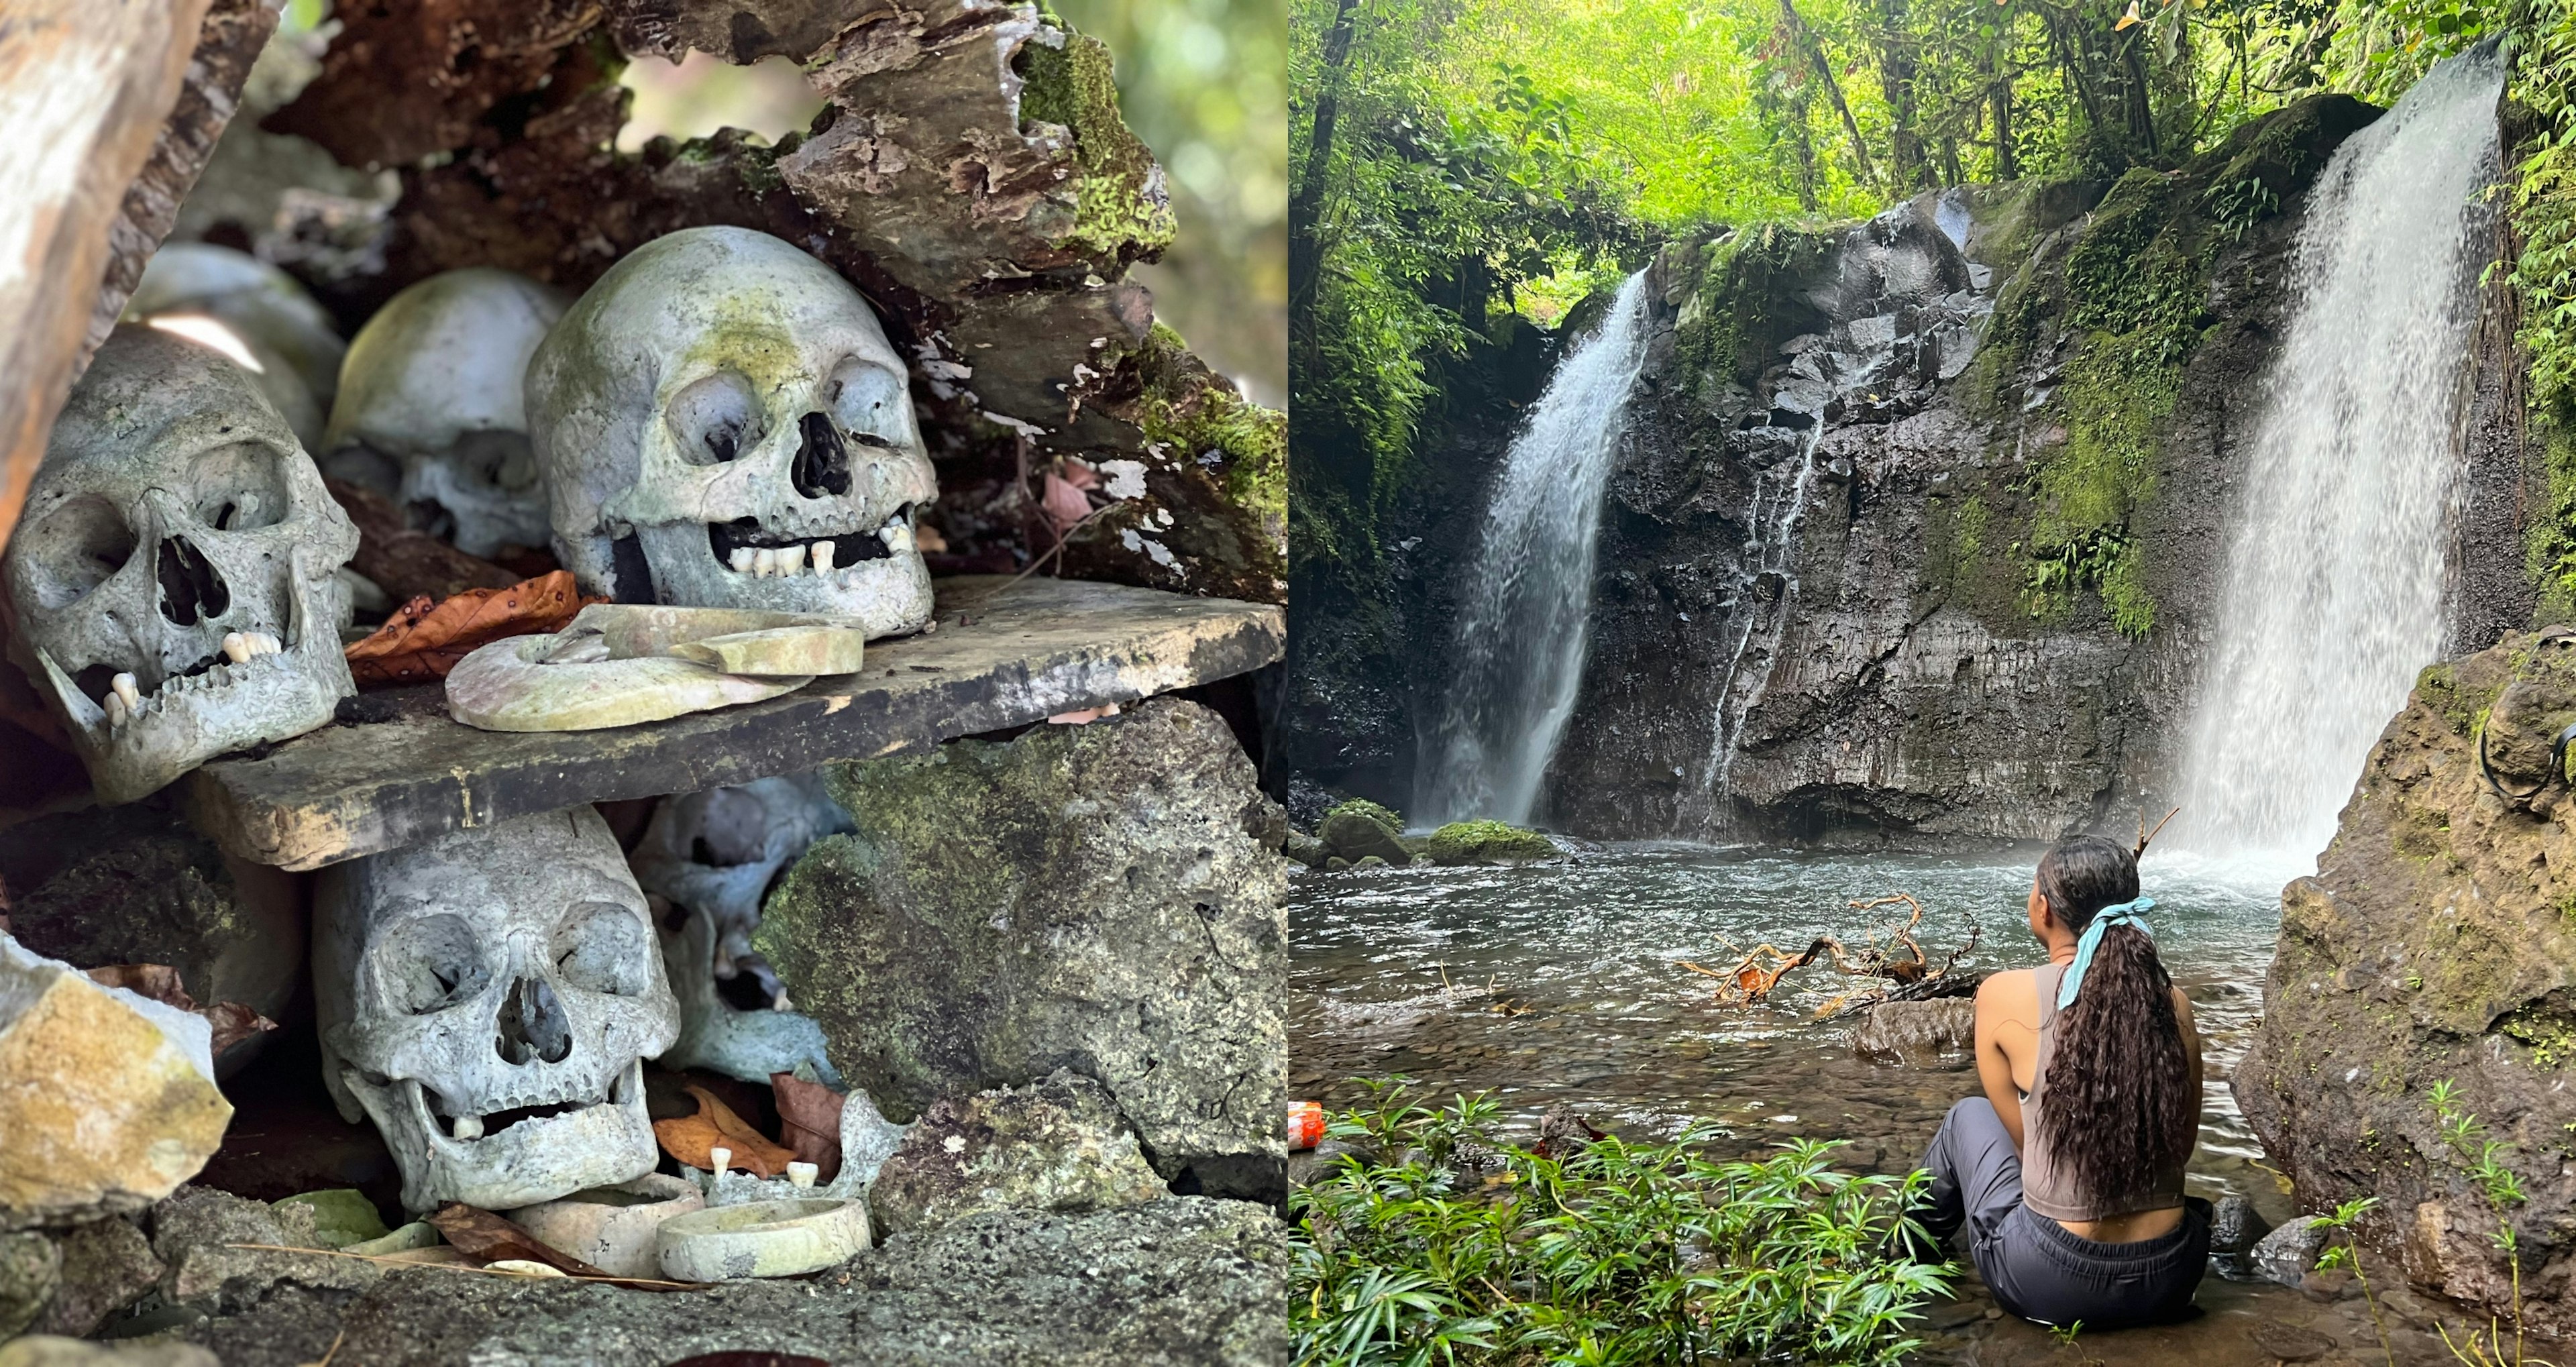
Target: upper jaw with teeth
819 557
538 1159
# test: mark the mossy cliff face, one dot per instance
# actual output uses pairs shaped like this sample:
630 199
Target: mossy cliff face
1106 898
2437 943
2028 405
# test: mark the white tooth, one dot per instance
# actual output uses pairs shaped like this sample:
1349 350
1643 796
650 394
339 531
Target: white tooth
467 1127
764 563
791 560
720 1159
897 536
823 559
236 647
123 686
742 559
802 1175
268 645
116 709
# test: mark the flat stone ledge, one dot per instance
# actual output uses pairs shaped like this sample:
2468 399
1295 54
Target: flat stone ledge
1026 651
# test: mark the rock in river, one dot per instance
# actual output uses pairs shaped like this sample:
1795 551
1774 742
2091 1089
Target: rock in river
1106 898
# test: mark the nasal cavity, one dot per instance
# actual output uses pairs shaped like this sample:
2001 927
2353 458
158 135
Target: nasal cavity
191 589
822 461
533 1025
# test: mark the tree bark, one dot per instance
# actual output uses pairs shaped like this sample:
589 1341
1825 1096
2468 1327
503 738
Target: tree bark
94 81
1908 166
1305 251
2000 96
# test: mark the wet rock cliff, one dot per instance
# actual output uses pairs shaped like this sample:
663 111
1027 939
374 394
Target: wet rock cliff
1917 527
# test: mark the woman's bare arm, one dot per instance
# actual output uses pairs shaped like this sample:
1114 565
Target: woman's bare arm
1996 1013
2190 1050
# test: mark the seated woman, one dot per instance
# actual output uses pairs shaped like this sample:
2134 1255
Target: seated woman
2067 1173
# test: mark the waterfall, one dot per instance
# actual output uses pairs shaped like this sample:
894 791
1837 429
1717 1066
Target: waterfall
2336 579
1519 647
1763 596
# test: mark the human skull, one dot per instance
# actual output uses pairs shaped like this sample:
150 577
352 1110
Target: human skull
173 572
429 412
721 423
713 856
487 998
266 322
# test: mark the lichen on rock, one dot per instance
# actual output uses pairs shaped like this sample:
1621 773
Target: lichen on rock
1105 898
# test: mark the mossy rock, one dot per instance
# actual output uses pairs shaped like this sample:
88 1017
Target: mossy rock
1486 842
1383 815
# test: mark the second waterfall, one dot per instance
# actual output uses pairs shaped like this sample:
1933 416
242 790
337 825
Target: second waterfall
1518 653
2337 578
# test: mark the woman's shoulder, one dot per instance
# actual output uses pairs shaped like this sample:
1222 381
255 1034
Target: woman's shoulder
2009 983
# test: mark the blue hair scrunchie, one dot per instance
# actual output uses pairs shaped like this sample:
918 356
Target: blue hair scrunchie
2121 914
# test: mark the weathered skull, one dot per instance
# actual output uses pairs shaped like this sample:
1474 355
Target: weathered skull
268 322
721 423
713 856
488 999
429 412
172 574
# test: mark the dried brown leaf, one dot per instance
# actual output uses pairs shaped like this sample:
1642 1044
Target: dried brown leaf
422 641
809 1118
692 1138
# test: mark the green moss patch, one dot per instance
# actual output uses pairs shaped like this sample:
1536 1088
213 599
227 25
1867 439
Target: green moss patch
1121 211
1748 295
1360 806
1486 842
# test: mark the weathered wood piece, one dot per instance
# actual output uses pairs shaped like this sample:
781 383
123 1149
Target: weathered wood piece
84 88
1022 652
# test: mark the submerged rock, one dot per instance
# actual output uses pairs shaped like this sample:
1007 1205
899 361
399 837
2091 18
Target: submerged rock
2436 947
1917 1031
1486 842
1099 898
1058 1145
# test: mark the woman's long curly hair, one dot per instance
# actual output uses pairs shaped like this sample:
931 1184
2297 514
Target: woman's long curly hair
2120 1108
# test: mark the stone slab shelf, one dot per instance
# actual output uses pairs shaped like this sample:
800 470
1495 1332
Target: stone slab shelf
1025 651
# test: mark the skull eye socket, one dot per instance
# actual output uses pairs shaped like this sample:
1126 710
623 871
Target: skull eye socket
74 549
714 419
600 947
869 401
239 488
430 964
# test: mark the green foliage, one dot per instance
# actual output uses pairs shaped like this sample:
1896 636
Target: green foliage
1618 1253
1486 842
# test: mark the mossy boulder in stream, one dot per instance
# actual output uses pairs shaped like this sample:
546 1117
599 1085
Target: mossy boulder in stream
1486 842
1106 898
2436 947
1360 829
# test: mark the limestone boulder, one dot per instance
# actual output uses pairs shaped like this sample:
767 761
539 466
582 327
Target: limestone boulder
1058 1145
107 1099
2435 947
1105 898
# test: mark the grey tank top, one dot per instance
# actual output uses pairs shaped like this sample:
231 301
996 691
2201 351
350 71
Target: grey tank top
2045 1188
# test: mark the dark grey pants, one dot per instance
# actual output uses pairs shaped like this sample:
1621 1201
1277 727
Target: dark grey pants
2035 1267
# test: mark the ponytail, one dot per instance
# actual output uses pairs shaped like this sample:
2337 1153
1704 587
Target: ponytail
2120 1108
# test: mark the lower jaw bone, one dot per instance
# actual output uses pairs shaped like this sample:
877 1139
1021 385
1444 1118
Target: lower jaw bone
534 1160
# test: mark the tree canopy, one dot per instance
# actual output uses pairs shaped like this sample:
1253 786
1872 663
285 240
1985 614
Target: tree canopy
1453 161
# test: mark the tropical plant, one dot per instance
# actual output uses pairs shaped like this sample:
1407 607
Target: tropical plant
1436 1240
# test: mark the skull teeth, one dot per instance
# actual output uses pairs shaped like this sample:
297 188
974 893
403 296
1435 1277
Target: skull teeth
466 1127
125 700
820 556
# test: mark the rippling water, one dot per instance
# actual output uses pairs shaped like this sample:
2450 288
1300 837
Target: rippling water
1562 982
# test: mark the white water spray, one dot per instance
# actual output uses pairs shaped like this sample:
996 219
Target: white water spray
2337 577
1520 640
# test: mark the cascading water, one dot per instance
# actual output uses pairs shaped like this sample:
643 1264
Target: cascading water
1766 584
2336 579
1520 635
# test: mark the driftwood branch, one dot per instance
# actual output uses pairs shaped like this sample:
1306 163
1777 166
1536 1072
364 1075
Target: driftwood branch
1893 955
